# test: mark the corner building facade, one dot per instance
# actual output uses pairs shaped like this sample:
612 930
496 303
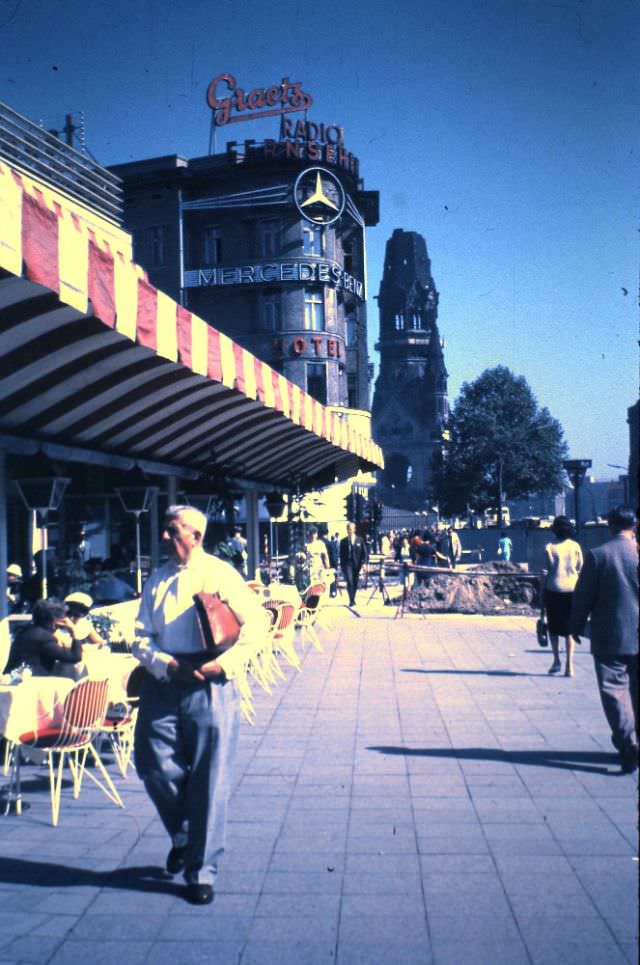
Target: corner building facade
410 405
268 245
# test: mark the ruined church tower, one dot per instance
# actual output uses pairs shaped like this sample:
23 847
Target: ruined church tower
410 405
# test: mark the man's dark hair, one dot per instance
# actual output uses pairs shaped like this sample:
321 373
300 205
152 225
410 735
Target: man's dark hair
562 527
621 517
46 612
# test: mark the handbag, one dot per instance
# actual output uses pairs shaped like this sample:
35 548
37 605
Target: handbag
219 627
542 632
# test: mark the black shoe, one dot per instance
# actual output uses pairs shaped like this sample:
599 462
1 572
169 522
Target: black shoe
199 894
175 860
629 759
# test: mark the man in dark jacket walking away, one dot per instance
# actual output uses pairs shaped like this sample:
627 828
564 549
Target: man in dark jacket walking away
607 591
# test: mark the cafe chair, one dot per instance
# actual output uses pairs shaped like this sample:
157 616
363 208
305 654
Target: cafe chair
71 740
239 673
267 655
119 722
307 616
283 632
258 588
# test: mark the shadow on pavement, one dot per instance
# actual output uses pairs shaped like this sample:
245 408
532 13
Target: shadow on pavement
45 874
583 761
484 673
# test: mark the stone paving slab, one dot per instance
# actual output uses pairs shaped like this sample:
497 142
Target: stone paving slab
423 792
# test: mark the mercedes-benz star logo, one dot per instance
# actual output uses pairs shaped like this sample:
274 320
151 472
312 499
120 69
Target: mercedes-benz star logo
319 196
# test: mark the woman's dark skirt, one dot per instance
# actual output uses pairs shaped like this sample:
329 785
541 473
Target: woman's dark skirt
558 610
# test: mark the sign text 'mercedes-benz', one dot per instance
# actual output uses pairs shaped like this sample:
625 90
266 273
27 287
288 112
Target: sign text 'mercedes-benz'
322 272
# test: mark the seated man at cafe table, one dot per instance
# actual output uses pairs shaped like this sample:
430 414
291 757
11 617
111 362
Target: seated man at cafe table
187 727
36 644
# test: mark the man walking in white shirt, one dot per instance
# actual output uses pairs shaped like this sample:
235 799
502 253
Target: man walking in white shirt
187 728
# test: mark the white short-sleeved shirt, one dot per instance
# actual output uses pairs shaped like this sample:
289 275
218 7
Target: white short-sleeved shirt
167 624
564 562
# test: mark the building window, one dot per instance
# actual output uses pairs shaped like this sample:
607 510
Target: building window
317 381
416 320
352 331
313 239
271 311
212 245
136 245
352 391
270 233
399 322
314 310
347 261
158 246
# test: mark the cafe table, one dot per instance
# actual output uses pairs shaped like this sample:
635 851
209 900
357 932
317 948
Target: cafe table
35 702
26 706
281 593
99 663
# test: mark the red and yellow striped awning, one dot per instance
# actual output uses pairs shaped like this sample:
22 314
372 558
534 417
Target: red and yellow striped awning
93 356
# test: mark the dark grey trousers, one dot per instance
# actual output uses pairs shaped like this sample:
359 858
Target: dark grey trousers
351 576
185 746
618 684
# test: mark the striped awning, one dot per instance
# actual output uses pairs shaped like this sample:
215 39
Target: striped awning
94 357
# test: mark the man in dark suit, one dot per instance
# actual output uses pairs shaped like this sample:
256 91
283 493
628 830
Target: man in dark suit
333 549
353 556
607 591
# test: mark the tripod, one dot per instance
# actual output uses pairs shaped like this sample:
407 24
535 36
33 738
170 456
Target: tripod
380 587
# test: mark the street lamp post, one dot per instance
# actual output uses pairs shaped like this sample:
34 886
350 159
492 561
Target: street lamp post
42 496
274 504
576 470
500 494
137 500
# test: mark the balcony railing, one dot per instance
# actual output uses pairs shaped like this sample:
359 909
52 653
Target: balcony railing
43 155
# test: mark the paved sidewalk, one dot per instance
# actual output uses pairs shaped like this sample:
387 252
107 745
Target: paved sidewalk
423 792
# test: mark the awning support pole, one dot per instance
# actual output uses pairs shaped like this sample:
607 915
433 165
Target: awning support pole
4 561
253 532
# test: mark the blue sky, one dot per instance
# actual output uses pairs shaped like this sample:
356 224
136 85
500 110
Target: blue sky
504 131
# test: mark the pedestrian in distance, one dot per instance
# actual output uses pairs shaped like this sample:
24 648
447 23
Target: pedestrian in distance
187 727
353 556
607 594
454 547
238 546
563 565
333 549
505 547
317 556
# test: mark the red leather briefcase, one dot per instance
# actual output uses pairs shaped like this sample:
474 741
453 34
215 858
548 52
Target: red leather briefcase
219 628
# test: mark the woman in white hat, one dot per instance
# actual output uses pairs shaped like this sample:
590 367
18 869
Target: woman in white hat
78 623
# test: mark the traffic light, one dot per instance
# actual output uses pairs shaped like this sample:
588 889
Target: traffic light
350 507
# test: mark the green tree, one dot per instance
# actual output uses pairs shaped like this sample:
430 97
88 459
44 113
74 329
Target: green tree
500 442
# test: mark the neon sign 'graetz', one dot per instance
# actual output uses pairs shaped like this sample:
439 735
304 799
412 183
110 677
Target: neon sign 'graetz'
283 98
327 272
